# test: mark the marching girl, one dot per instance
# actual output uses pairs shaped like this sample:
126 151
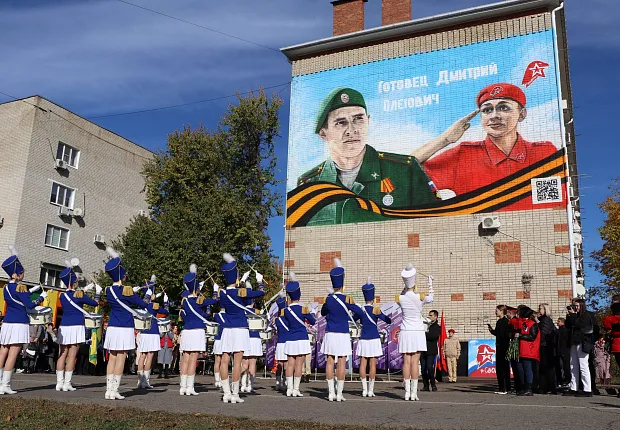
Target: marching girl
298 344
235 336
369 345
220 318
71 332
120 335
15 330
283 331
248 367
149 341
337 341
412 337
193 338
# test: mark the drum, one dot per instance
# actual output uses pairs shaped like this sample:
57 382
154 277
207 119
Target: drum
93 321
40 315
257 322
142 320
265 335
354 330
312 338
212 329
164 325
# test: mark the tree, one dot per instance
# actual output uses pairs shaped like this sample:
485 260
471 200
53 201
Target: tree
607 259
209 192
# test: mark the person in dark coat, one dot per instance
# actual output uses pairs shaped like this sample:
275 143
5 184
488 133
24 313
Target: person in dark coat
428 357
562 363
502 340
581 325
546 370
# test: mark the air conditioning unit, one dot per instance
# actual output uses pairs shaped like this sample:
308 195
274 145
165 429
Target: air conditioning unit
491 222
61 164
78 212
143 212
99 238
64 211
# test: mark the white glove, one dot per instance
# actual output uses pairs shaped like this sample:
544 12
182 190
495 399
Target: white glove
200 284
136 289
158 295
245 276
98 289
165 298
35 288
149 292
216 288
259 278
43 294
430 281
89 287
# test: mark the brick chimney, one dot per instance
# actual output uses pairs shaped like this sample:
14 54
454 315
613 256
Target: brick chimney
393 11
348 16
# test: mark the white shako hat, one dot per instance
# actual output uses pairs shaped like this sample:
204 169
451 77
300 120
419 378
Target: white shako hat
408 275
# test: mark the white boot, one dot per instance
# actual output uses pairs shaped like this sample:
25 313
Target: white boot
330 385
108 387
66 386
339 396
407 389
289 386
244 383
235 393
183 385
1 373
117 383
60 379
226 388
371 388
218 380
190 386
145 379
414 390
364 387
5 385
296 384
140 383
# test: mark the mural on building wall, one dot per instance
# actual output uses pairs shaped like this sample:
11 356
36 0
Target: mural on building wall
458 131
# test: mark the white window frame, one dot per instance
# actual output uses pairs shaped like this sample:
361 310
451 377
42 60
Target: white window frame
77 155
47 268
60 228
72 200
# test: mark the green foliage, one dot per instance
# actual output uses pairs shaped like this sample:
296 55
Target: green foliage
209 192
607 259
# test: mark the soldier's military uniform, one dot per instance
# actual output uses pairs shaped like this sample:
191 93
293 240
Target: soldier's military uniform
390 180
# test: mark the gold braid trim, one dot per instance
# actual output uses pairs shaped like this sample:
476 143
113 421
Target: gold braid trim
127 291
78 294
21 288
155 306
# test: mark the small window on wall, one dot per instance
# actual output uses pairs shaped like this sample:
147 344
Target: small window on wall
57 237
61 195
68 154
50 275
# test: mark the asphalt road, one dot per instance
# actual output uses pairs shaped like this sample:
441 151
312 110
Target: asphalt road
463 405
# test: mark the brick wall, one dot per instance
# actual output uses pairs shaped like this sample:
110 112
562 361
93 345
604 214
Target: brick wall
348 16
393 11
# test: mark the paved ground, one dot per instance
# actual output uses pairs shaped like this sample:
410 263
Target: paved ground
470 404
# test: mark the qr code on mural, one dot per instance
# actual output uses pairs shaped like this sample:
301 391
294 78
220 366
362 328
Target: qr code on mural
546 190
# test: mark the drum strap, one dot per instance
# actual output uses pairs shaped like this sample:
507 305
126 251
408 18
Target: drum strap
75 305
16 301
369 317
123 305
345 309
296 317
234 302
191 308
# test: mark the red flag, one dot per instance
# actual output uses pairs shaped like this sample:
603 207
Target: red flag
441 359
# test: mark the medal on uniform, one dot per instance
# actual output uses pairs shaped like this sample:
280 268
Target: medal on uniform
387 187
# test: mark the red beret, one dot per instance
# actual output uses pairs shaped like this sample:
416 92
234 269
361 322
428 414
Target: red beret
501 91
451 331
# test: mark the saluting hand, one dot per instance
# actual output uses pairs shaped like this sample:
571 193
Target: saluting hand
458 129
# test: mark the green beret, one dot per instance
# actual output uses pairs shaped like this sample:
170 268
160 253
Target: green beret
337 98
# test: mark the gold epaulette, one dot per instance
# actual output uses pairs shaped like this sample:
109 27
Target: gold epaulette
21 288
155 306
310 174
305 310
199 301
398 158
127 291
376 310
242 292
397 298
78 294
350 300
282 312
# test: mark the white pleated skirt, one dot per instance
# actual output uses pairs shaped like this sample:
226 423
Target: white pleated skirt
280 354
337 344
14 333
71 334
148 342
369 348
297 347
256 348
194 340
411 341
119 339
235 339
217 347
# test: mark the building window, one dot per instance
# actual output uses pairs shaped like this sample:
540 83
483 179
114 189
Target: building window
70 155
61 195
57 237
50 275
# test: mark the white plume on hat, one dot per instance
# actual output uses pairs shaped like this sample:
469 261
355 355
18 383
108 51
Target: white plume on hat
193 268
282 293
228 258
337 262
291 277
111 252
369 280
153 278
330 290
408 275
68 264
12 250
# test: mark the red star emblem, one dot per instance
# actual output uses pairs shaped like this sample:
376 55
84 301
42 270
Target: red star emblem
485 355
535 70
